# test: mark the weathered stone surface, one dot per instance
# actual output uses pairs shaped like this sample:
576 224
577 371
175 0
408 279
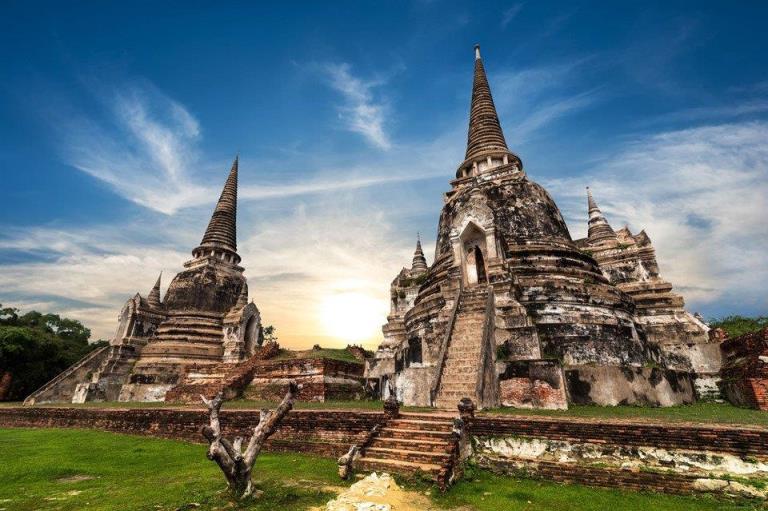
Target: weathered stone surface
629 262
500 235
204 320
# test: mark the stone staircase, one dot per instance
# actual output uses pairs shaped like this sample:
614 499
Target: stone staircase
413 444
463 356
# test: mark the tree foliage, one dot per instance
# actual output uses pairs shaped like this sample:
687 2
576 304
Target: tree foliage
737 325
35 347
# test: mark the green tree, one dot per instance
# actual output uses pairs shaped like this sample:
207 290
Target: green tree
736 325
35 347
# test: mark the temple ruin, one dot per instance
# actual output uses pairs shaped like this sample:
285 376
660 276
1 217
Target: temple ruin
514 312
202 337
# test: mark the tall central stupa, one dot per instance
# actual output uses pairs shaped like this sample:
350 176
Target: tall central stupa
511 311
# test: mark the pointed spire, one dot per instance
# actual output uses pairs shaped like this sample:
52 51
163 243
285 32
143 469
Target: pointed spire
222 229
153 298
419 264
598 227
484 128
485 139
591 204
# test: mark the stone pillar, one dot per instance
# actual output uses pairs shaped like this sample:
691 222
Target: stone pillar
466 409
391 408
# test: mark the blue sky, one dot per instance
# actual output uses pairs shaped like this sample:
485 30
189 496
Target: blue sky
119 120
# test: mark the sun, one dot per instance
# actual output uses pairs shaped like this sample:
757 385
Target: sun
352 316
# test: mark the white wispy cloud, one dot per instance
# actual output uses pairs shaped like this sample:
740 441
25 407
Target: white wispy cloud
361 112
713 112
297 260
701 195
144 148
509 14
539 96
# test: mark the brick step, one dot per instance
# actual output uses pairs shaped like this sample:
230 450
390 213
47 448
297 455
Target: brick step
421 425
206 339
456 369
455 395
428 416
178 329
458 382
468 336
461 370
412 444
461 351
414 434
396 466
435 458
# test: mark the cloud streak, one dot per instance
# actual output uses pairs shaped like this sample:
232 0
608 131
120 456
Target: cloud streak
143 149
361 113
510 14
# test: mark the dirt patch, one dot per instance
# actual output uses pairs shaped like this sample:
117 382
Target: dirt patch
378 493
74 479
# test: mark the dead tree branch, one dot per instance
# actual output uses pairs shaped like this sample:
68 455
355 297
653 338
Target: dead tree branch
235 462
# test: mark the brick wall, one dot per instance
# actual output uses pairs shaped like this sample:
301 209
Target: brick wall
680 484
744 374
324 432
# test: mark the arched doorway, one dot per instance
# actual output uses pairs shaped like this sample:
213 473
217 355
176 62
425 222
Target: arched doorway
482 278
474 255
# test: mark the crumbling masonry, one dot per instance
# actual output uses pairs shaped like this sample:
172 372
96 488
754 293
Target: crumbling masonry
514 312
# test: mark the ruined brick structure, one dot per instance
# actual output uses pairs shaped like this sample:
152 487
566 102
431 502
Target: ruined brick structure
629 262
513 312
201 338
205 321
403 292
745 370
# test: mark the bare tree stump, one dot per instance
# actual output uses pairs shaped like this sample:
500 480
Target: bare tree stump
233 460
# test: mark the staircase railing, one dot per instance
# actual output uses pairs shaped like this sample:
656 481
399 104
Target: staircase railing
487 393
444 346
30 400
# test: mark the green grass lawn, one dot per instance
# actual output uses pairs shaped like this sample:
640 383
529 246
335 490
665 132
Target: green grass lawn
483 491
55 469
47 469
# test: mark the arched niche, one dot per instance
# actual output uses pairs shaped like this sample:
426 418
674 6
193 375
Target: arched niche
473 243
252 335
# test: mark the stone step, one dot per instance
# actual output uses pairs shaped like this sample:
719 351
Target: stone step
458 381
455 396
464 350
436 458
411 444
414 434
422 425
396 466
